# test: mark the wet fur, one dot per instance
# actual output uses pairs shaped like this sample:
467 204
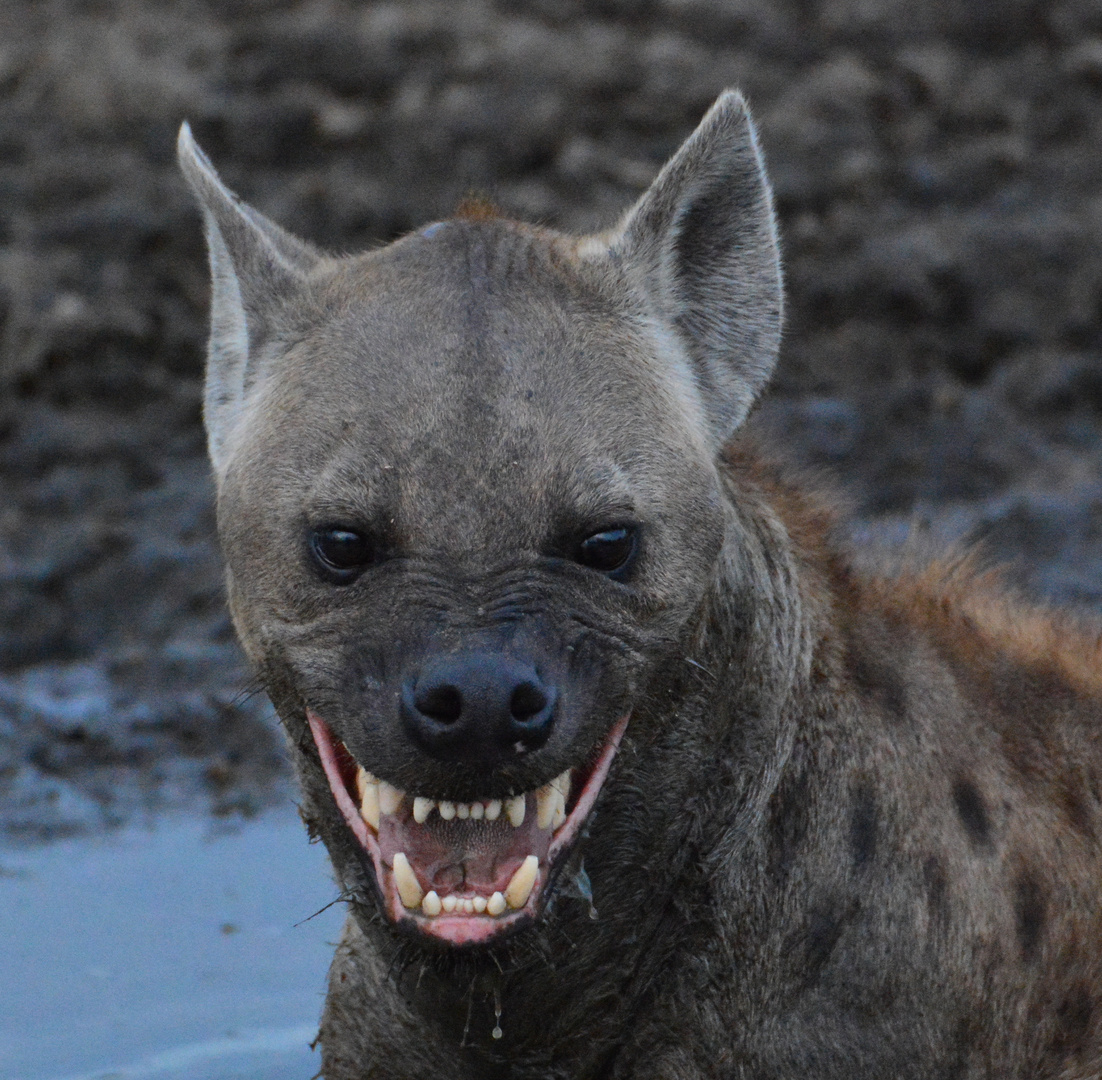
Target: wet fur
853 829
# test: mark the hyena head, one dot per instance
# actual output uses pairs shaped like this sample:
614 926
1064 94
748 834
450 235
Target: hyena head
471 512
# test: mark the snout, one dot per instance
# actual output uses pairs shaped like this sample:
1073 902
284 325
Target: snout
478 708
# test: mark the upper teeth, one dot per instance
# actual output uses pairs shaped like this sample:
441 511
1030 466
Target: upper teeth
377 797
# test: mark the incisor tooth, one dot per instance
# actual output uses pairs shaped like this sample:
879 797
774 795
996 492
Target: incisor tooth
496 904
408 887
390 797
477 810
514 808
493 810
480 904
462 811
447 810
449 903
369 798
422 807
520 887
431 904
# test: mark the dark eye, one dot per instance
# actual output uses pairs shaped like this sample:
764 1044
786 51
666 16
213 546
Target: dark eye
341 553
609 551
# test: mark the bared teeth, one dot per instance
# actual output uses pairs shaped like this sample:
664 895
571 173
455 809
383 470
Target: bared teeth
378 797
551 802
409 889
514 810
433 904
520 887
367 788
562 783
390 798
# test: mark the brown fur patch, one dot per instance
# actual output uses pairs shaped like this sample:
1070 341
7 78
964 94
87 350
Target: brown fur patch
476 207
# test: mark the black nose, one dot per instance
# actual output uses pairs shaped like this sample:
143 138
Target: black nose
479 708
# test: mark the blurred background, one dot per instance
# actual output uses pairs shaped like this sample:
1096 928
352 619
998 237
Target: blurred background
938 173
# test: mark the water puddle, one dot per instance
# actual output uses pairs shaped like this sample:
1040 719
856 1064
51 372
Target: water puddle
165 953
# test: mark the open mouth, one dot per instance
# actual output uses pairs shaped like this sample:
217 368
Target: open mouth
463 872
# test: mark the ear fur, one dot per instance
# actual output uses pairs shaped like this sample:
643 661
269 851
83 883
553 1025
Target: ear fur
702 242
255 266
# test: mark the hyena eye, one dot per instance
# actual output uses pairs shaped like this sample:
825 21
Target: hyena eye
341 553
609 551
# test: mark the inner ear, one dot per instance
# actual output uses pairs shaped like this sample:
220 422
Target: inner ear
255 266
702 244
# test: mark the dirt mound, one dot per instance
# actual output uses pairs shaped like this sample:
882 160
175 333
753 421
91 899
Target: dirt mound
938 170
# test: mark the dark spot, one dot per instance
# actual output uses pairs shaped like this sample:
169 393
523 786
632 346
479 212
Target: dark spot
1029 910
862 828
973 813
878 682
937 891
1073 793
1073 1023
825 924
788 823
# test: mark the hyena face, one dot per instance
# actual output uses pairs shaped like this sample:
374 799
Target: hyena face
470 509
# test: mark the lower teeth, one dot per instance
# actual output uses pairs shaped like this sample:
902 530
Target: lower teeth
516 895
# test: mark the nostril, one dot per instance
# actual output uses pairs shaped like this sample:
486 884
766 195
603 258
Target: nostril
528 700
444 704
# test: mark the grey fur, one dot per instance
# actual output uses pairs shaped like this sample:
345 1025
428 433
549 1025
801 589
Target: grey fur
853 828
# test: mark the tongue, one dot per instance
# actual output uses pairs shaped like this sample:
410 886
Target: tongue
460 857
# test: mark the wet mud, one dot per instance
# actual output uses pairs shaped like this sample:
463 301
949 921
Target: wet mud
938 172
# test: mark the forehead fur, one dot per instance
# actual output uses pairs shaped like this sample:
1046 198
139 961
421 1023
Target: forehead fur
476 357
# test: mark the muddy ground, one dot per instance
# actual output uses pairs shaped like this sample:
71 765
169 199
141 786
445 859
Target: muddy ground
938 171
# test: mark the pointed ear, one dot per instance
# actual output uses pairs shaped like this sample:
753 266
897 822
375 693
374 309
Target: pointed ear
255 267
702 242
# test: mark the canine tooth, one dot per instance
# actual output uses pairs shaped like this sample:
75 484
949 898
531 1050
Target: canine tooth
547 802
431 904
447 810
477 810
390 798
493 810
369 799
520 888
562 784
409 889
422 807
363 778
560 813
514 809
449 902
480 904
496 904
462 811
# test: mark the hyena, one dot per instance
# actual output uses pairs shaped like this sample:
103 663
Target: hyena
625 768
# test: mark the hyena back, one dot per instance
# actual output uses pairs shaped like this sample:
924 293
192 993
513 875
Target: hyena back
625 769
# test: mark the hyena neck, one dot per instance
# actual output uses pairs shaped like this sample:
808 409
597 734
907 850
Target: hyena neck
736 685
